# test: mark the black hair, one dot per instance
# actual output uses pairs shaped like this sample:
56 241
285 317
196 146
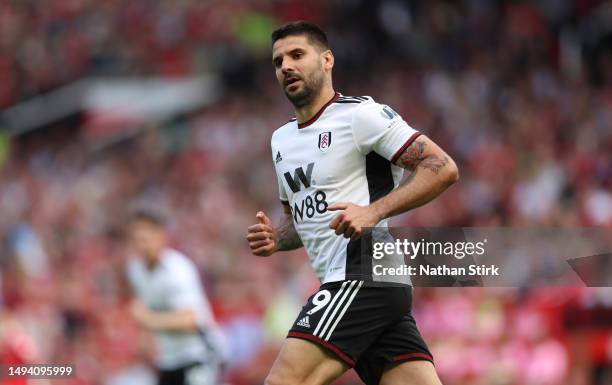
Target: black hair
314 34
150 217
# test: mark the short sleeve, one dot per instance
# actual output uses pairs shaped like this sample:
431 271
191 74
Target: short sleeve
376 127
282 194
188 294
134 277
186 290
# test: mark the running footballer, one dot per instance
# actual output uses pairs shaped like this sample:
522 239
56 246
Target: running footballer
171 303
339 163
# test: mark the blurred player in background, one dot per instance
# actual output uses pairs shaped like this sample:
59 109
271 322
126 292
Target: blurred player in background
338 165
172 304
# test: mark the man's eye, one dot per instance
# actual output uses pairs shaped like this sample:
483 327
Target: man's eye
297 55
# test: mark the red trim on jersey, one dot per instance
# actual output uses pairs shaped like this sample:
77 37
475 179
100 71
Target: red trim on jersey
323 343
408 143
316 116
413 356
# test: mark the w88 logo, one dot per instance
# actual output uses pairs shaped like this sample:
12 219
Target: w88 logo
309 206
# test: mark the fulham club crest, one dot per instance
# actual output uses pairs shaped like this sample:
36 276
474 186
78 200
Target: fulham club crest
324 141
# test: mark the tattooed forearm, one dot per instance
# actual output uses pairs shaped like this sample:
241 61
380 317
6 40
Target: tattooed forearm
288 238
434 163
420 187
413 157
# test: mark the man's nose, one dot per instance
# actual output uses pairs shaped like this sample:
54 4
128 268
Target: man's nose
287 67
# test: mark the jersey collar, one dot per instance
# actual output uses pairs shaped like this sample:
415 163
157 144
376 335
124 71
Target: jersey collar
316 116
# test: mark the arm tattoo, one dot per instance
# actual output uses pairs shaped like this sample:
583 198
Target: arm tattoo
288 238
413 157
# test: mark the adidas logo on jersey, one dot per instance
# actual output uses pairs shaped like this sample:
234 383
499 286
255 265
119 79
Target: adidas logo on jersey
388 113
304 322
278 157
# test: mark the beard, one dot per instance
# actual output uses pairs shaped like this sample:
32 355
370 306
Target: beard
309 91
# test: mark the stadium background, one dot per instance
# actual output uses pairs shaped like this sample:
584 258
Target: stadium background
519 93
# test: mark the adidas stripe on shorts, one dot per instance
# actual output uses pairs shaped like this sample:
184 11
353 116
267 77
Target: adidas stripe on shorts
367 327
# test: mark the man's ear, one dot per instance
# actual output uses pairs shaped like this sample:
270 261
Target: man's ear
328 59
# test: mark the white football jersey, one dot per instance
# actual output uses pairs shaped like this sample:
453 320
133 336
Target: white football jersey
172 285
345 153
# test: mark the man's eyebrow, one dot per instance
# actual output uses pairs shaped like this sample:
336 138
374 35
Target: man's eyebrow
298 49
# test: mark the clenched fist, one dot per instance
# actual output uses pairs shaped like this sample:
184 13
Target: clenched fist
352 219
262 237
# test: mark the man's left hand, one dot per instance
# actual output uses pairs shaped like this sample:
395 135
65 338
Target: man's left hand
352 219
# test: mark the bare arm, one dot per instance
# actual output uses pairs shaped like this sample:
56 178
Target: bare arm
180 320
287 236
432 172
265 240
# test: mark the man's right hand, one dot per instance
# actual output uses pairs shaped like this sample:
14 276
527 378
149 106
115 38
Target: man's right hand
262 237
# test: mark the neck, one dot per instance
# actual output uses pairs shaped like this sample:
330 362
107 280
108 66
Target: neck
305 113
152 260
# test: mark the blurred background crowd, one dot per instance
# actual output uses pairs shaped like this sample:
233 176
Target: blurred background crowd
518 92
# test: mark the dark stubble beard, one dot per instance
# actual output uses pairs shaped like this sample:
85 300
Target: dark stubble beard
309 92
